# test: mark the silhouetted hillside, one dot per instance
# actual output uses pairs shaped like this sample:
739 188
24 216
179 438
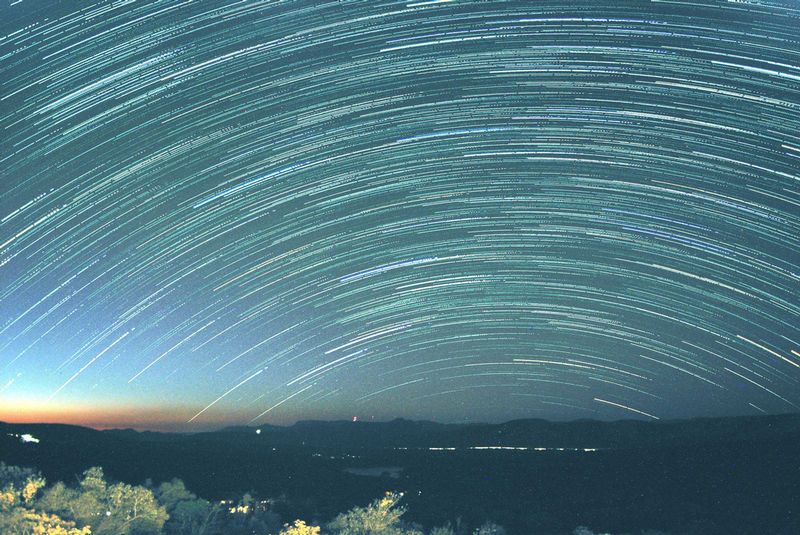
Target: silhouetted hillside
530 433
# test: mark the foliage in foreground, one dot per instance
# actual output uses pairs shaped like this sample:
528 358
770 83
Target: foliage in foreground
96 506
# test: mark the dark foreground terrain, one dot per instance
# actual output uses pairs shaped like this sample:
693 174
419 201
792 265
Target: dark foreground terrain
726 475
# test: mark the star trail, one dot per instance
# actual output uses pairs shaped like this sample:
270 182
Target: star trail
265 211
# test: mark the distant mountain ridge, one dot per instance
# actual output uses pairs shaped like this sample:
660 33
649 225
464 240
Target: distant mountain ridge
401 433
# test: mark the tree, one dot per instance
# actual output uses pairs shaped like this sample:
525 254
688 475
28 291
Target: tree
31 488
16 475
16 492
188 514
170 493
299 528
20 487
23 521
60 500
381 517
131 510
118 509
193 517
94 481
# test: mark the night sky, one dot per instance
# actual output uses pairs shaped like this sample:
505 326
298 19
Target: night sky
259 212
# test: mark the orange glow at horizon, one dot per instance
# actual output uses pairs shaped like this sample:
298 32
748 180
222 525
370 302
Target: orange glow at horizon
119 416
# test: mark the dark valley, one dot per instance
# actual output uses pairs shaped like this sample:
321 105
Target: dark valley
708 475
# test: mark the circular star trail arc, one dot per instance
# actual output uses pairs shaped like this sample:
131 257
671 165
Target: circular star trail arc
265 211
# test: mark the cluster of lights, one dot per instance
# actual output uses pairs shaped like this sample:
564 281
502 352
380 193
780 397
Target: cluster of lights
24 438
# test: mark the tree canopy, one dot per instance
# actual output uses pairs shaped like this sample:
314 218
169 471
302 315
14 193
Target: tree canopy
97 506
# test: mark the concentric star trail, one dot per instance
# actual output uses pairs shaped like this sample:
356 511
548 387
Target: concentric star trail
452 210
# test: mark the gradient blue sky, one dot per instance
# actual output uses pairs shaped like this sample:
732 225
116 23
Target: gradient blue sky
258 212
